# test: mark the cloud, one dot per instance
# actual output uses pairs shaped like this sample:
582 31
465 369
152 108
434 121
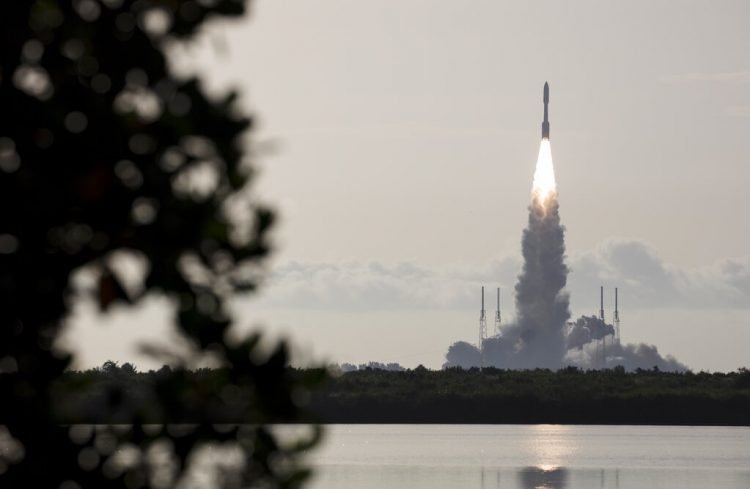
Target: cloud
379 286
645 281
742 76
630 265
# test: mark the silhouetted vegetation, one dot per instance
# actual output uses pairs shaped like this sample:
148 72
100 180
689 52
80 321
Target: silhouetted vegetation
567 396
109 160
453 395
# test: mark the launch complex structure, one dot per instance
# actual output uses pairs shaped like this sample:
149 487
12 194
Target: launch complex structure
611 338
483 320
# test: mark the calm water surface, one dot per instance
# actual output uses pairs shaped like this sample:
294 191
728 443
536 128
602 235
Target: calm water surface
531 456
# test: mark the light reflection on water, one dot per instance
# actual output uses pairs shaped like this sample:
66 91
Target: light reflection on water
543 477
551 445
532 457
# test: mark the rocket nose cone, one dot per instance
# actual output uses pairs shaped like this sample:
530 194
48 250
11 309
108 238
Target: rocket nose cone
546 92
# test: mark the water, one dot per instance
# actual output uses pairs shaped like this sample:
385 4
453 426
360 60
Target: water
531 456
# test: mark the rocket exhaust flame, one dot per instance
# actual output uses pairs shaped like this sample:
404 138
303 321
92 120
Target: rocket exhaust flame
544 188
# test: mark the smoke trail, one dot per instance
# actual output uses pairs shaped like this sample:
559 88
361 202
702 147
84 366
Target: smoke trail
542 306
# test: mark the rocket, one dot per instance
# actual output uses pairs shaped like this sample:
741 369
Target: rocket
545 122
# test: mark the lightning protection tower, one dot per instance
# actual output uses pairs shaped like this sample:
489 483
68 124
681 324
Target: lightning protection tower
482 324
497 314
616 320
601 316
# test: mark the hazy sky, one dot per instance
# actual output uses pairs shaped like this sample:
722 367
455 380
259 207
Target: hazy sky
398 141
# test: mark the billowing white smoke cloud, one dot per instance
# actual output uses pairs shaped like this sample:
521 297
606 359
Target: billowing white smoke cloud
538 337
542 305
630 356
587 329
462 354
582 350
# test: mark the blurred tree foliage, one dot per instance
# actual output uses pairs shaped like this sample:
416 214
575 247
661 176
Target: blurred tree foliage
107 157
86 397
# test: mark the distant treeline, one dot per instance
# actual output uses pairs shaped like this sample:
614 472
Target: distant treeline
567 396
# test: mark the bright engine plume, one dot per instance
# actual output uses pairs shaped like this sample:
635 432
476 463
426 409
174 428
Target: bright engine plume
544 188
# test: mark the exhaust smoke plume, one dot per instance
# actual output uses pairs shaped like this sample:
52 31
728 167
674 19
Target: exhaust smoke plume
613 354
540 337
586 329
542 306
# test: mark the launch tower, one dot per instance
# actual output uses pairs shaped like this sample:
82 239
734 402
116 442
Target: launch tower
482 323
601 316
497 314
616 320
